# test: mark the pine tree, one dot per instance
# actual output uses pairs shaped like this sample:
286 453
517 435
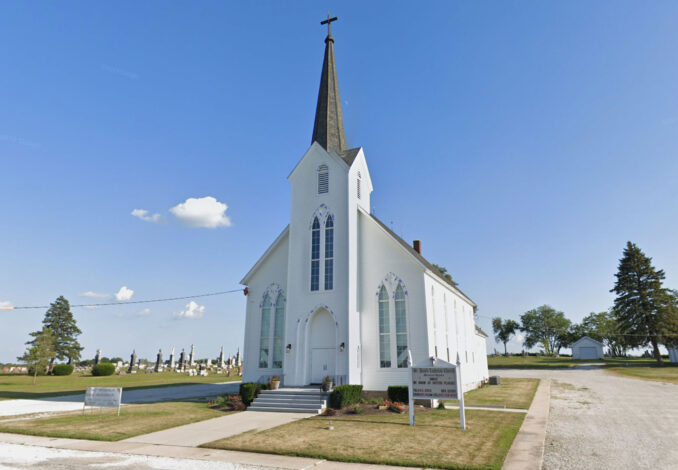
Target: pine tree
40 352
645 310
59 319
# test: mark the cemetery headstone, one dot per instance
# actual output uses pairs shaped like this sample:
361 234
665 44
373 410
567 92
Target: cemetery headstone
132 361
97 357
191 361
158 362
171 359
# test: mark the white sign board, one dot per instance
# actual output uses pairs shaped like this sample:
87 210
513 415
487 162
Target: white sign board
103 397
439 381
434 383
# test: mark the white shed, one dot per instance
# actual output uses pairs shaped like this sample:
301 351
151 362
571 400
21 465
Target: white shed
673 354
587 348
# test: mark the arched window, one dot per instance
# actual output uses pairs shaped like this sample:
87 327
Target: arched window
384 330
401 326
315 255
329 253
323 179
264 344
278 332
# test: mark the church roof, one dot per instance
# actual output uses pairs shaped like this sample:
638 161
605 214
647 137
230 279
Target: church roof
349 155
328 128
480 331
421 259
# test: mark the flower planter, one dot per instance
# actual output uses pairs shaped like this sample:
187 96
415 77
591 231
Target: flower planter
274 384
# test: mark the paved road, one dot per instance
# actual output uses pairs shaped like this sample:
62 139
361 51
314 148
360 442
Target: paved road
13 456
601 421
147 395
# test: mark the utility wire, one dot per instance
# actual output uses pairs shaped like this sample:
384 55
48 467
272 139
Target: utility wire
131 302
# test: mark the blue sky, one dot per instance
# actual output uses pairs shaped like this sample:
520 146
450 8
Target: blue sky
523 142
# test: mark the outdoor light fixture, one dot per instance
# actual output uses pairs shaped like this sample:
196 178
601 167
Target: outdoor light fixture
288 348
342 346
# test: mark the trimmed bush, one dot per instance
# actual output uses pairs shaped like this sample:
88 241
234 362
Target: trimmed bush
345 395
62 369
250 390
105 368
398 393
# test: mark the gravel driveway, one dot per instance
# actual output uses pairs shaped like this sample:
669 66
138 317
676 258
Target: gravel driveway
601 421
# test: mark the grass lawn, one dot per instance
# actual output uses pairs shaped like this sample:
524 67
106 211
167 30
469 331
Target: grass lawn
543 362
435 441
21 386
665 373
512 393
133 421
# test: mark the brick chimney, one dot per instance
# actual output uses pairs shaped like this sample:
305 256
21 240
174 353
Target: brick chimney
417 246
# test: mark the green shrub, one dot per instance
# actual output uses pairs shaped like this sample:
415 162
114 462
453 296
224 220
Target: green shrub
344 395
398 393
105 368
441 405
62 369
42 370
250 390
358 410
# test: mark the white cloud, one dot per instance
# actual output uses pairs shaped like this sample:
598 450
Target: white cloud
202 212
519 338
191 311
124 294
143 214
144 312
94 295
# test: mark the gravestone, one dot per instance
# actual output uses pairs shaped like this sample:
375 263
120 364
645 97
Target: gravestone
238 359
158 362
191 362
221 358
97 357
171 359
132 361
181 360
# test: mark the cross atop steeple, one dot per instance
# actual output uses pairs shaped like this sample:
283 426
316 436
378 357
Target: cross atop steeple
328 22
328 128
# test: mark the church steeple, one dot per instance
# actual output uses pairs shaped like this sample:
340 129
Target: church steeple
328 129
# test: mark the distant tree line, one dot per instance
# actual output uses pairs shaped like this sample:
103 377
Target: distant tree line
644 314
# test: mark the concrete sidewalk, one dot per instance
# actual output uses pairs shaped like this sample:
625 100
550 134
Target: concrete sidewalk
195 453
202 432
527 451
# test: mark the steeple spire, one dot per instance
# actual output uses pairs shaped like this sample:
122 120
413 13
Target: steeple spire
328 129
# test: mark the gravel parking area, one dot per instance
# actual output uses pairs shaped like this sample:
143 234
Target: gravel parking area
601 421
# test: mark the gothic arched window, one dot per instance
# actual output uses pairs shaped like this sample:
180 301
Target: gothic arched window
264 343
401 326
329 253
323 179
278 332
315 255
384 329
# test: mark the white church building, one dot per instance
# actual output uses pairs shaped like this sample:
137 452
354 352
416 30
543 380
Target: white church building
340 295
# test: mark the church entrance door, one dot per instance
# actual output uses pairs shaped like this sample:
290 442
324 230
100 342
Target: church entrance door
322 346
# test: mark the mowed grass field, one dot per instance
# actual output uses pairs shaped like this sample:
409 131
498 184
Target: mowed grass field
21 386
134 420
436 441
632 367
512 393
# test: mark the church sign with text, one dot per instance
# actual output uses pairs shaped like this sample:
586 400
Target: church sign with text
434 383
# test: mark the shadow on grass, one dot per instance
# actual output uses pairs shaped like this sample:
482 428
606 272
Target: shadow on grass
59 396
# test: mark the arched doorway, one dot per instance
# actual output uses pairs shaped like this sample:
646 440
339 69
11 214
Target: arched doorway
322 346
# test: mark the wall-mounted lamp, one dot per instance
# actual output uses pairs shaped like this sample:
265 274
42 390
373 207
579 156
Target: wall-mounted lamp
288 348
342 346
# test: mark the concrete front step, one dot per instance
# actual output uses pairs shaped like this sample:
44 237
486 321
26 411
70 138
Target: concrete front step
290 400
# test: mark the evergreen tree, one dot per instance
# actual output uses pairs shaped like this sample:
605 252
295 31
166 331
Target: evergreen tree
40 351
59 319
503 330
645 311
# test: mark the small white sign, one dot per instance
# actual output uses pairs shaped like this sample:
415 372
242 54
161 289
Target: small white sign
103 397
434 383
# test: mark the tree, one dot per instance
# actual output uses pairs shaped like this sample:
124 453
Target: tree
444 273
546 326
40 351
60 320
645 310
504 330
603 327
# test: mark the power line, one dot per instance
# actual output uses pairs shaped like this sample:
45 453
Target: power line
130 302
